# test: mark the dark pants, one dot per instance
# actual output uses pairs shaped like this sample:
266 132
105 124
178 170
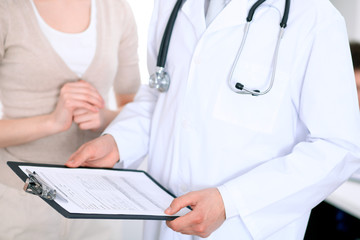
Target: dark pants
329 223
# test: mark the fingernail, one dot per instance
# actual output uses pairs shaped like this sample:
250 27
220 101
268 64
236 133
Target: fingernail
168 210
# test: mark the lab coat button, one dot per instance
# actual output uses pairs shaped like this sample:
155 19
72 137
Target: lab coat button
183 188
185 123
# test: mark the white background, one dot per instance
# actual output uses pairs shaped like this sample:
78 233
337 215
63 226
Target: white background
142 10
350 10
132 230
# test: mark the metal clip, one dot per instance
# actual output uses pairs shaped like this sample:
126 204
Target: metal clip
35 185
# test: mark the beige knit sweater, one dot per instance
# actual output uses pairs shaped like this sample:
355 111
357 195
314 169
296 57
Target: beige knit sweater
32 74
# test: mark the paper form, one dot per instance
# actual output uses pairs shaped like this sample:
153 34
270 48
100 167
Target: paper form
98 191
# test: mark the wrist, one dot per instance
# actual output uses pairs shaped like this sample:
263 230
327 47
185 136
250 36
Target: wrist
52 125
108 116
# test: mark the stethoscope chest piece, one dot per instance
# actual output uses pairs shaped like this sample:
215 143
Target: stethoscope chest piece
160 80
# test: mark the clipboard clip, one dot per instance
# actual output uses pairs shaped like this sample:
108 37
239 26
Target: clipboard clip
35 185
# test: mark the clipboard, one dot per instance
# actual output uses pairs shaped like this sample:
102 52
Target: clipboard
101 193
355 177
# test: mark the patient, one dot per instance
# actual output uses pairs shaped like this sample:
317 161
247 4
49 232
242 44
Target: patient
58 61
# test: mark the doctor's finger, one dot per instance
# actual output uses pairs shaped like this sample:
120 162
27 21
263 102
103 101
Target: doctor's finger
97 149
190 224
104 162
83 154
181 202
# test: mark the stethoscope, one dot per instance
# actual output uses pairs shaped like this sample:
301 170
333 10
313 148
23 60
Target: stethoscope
161 80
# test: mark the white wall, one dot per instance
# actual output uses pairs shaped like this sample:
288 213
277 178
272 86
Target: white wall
142 10
132 229
350 9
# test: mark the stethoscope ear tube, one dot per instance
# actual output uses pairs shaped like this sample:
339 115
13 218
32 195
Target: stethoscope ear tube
161 80
286 14
239 87
161 60
284 20
252 10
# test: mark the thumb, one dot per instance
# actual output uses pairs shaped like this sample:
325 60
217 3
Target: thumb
181 202
78 157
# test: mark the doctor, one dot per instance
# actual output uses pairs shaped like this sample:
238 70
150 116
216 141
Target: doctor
251 167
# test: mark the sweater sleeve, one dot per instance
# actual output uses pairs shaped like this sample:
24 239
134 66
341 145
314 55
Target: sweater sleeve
128 76
4 16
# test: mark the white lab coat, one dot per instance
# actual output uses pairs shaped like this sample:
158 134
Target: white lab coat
272 157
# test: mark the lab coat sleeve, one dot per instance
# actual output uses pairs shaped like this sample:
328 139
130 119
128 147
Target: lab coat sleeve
131 128
284 189
4 25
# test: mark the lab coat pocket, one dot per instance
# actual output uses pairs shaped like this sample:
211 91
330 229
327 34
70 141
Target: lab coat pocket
254 113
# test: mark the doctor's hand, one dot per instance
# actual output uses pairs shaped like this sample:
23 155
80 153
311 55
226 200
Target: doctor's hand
74 95
207 215
101 152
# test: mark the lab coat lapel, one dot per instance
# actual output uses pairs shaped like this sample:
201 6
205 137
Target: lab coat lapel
233 14
194 12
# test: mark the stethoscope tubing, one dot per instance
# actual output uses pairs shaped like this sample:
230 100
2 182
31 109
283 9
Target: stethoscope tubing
239 88
165 41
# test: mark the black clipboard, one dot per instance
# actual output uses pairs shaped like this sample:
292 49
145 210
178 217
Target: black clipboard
18 167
